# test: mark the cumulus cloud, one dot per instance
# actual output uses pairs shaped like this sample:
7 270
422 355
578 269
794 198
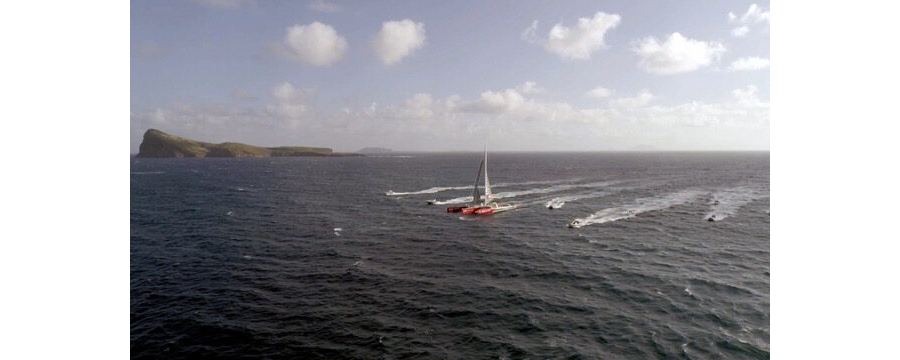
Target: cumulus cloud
315 44
425 122
641 99
324 6
575 42
749 64
599 92
495 102
740 31
677 54
747 97
398 39
529 87
755 14
290 102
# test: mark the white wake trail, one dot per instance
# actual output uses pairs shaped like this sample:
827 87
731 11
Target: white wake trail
427 191
544 190
437 189
558 202
639 206
726 202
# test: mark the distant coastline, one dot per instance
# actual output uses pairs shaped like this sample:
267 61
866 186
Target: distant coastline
158 144
374 150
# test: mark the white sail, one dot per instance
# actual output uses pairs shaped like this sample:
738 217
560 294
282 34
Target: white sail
488 194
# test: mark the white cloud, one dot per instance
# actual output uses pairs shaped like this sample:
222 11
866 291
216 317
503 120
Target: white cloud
677 54
575 42
324 6
740 31
495 102
599 92
747 97
514 121
315 44
749 64
755 14
641 99
529 87
289 101
398 39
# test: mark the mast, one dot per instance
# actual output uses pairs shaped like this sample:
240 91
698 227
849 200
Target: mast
476 196
488 194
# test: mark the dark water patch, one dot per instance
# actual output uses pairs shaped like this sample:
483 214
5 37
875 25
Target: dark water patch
239 258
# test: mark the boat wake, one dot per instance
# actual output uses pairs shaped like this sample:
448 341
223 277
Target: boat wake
558 202
427 191
726 202
639 206
543 190
447 188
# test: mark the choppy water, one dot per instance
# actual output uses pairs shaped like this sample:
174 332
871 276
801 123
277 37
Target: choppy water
308 258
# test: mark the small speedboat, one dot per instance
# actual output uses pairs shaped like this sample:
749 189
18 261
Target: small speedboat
576 223
711 219
430 202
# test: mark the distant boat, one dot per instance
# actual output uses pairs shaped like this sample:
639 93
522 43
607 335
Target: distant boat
488 206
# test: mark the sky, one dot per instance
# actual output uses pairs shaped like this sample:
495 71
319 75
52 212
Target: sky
454 75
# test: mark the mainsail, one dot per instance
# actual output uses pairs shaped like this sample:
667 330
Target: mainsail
476 196
488 194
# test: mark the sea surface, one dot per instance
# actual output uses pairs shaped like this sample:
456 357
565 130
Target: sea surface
308 258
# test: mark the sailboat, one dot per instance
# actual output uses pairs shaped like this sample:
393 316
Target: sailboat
488 205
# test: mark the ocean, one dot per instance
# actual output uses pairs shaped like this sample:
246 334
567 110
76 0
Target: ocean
308 258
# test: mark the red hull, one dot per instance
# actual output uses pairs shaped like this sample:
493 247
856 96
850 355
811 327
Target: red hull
484 211
470 210
455 209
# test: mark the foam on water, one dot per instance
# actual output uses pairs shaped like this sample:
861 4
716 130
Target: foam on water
543 190
426 191
639 206
727 202
559 201
437 189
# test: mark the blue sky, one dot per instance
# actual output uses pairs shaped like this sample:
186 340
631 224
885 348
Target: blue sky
677 76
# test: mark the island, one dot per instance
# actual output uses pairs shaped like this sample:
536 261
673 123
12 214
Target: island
374 150
157 144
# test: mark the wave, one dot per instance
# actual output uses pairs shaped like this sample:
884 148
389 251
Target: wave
726 202
544 190
437 189
639 206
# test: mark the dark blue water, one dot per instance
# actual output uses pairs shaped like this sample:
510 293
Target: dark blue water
308 258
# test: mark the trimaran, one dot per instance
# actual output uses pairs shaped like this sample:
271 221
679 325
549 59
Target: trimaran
488 206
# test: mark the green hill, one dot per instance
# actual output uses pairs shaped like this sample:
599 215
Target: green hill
161 145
